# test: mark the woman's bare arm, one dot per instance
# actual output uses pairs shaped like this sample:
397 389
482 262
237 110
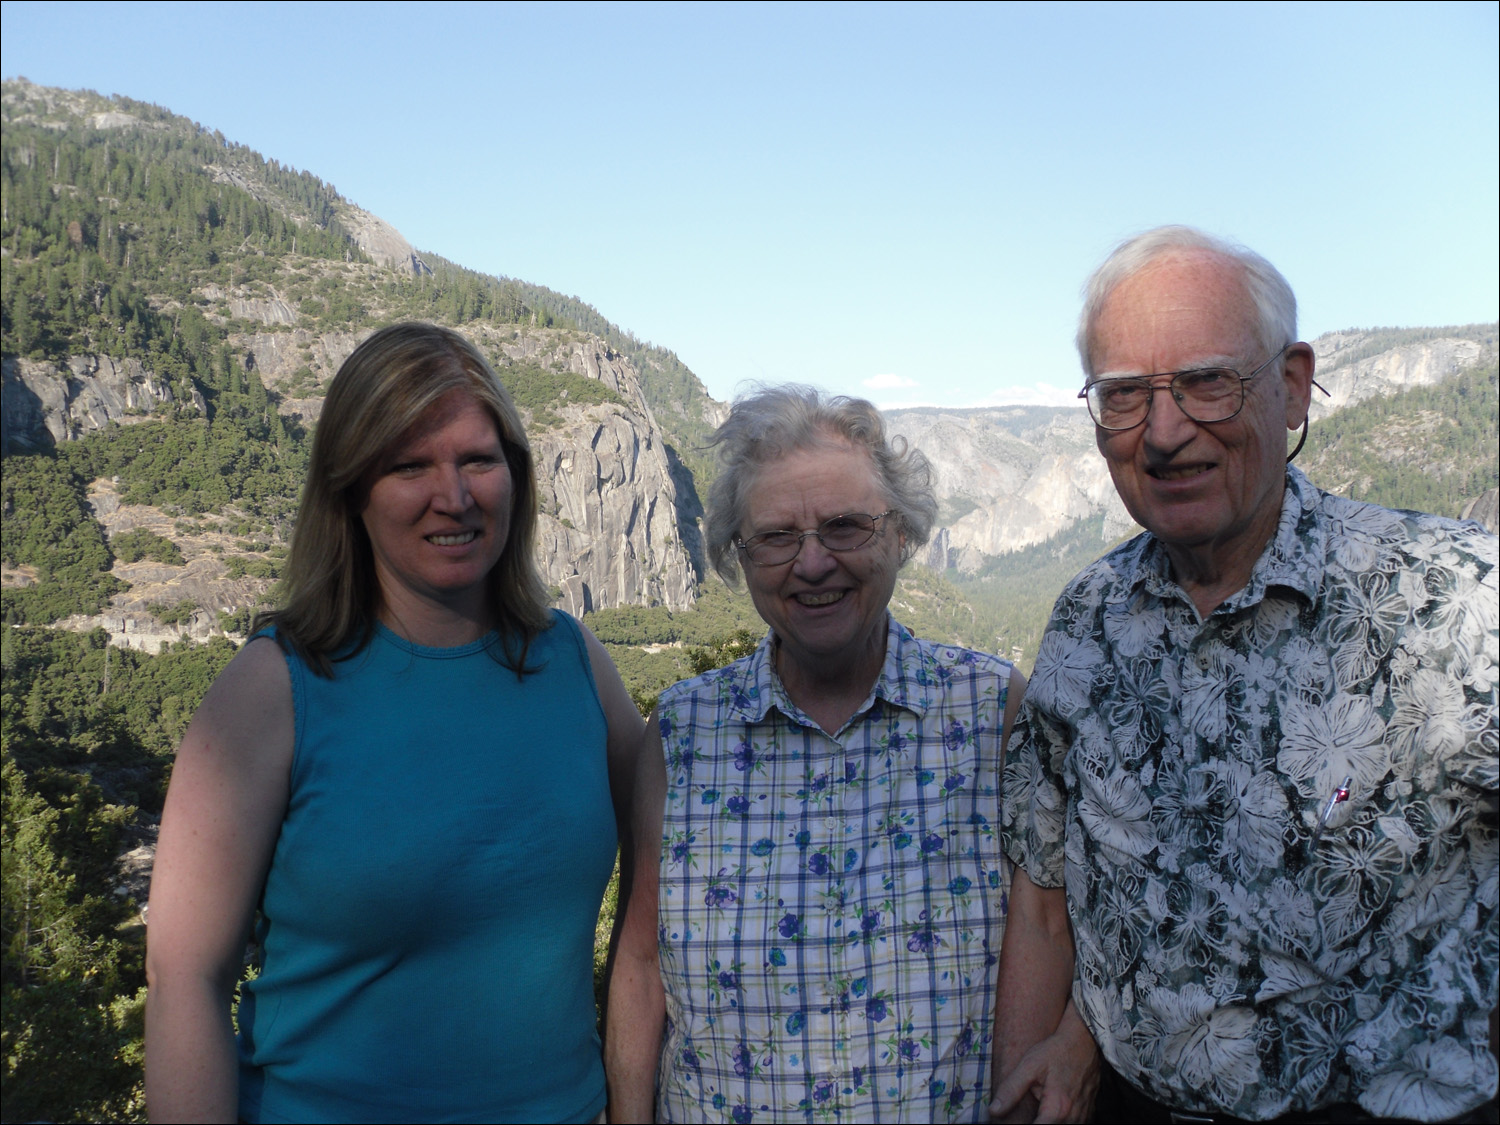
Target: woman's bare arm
637 1011
624 746
625 728
223 812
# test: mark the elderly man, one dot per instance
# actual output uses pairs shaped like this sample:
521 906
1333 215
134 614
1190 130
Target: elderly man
1256 766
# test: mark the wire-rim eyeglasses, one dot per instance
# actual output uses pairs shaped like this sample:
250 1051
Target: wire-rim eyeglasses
848 532
1204 394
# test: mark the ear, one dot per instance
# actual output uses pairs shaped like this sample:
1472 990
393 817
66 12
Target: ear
1297 376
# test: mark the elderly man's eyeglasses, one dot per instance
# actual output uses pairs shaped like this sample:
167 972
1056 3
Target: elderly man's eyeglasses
1208 394
848 532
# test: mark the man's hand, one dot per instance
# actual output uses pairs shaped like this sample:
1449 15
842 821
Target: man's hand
1059 1077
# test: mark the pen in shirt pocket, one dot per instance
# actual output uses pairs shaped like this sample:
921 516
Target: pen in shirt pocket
1335 799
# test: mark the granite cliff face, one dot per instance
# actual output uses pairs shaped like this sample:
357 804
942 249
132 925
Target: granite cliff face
609 530
1349 374
1009 477
43 403
1485 509
380 240
609 533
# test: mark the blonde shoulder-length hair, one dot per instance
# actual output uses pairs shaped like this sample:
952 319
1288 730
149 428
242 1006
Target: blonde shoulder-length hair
331 596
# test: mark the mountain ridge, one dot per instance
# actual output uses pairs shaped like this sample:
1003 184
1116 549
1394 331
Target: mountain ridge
223 301
155 267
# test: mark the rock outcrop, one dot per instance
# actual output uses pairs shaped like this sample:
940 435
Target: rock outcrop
202 579
1422 364
43 403
1007 478
610 532
588 356
1485 508
377 238
267 310
278 356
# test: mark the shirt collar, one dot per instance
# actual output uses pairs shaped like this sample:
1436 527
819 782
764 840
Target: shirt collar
1299 541
907 679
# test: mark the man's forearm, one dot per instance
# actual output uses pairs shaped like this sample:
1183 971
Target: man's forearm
1036 971
1035 980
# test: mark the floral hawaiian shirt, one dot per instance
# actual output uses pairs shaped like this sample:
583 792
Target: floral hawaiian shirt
1277 826
831 907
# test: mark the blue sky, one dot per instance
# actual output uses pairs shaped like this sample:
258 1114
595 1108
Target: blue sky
889 200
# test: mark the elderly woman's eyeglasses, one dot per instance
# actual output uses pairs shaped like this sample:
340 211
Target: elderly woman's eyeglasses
848 532
1209 394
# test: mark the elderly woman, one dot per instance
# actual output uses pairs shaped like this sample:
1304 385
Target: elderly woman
815 937
414 773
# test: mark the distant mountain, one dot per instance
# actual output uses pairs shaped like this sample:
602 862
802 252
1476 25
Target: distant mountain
1429 445
1010 478
161 280
1360 364
164 283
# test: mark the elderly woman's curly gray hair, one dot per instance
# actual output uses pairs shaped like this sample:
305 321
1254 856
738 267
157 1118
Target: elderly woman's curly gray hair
773 422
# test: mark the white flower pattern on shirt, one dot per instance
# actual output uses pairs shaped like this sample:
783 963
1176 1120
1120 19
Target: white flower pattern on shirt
1171 773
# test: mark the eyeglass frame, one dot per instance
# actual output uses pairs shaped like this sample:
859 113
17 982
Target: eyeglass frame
1172 377
744 545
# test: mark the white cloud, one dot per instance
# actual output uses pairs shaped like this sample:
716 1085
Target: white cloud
1038 394
889 382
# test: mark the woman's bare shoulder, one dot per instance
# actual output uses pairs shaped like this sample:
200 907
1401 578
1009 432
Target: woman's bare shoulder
248 708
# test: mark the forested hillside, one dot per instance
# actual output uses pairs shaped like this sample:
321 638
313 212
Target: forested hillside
113 229
89 733
174 305
1430 449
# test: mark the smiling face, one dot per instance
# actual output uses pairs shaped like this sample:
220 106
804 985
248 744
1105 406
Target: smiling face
828 608
437 512
1210 492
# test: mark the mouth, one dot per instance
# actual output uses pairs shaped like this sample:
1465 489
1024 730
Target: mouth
827 597
1176 472
453 538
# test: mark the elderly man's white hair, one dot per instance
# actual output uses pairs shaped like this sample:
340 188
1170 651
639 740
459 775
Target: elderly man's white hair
1275 304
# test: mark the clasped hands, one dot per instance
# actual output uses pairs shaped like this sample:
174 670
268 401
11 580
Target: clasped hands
1056 1080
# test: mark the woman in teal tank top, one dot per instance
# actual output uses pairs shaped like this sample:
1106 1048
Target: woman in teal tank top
409 780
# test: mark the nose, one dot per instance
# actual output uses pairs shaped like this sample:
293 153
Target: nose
814 561
450 490
1167 426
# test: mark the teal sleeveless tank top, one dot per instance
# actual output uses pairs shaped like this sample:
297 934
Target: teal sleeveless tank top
428 918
